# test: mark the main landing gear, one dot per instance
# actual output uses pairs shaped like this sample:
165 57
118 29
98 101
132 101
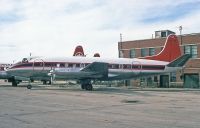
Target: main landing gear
86 84
14 83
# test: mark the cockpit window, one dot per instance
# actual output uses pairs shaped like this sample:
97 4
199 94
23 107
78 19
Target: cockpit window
24 60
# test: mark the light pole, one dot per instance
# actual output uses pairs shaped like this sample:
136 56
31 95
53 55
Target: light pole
120 49
180 29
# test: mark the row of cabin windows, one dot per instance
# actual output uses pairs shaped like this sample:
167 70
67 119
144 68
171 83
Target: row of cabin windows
70 65
111 66
62 65
82 65
78 65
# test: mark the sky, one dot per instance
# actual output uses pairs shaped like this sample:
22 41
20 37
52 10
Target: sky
55 27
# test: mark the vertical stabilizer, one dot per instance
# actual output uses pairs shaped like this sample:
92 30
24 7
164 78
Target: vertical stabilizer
170 51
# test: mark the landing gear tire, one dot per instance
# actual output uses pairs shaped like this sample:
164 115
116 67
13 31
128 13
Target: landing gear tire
82 86
14 83
44 82
29 86
49 83
89 87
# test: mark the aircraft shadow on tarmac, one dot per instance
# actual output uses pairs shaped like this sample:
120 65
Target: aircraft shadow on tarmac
103 90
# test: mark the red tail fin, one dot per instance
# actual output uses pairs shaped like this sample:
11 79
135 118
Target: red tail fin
170 52
78 51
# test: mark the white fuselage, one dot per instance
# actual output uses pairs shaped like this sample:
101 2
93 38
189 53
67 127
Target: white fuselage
70 68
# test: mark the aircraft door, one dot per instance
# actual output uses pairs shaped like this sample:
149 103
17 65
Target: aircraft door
38 65
136 67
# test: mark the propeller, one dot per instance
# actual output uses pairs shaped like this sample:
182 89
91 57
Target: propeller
52 75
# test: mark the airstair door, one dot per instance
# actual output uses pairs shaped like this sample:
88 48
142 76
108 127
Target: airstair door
38 65
136 67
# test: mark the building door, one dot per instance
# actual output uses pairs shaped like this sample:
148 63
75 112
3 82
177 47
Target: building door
191 81
164 81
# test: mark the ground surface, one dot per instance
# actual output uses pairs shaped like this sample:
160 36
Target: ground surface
101 108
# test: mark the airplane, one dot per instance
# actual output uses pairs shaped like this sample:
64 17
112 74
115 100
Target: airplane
87 69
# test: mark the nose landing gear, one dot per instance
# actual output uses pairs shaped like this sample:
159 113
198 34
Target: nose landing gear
29 86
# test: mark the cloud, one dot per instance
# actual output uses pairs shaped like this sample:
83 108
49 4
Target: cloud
54 29
171 12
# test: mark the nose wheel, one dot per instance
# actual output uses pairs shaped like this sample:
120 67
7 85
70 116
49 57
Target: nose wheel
29 86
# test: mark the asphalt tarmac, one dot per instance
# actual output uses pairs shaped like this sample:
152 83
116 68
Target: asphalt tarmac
71 107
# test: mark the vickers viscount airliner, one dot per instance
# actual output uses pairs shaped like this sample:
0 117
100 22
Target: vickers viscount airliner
87 69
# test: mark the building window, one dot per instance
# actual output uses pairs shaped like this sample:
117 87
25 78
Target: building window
194 51
163 34
151 51
121 54
143 52
155 79
132 53
191 49
187 49
173 76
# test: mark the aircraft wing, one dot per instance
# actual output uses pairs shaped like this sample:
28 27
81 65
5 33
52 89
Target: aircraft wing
95 70
98 68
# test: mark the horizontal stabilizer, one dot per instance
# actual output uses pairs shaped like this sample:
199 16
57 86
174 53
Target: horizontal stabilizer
97 68
179 62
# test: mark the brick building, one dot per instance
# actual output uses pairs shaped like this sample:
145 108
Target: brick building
189 77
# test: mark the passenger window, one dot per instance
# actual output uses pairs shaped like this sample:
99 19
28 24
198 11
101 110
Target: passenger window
136 66
82 65
124 66
86 65
62 65
77 65
70 65
128 66
57 65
